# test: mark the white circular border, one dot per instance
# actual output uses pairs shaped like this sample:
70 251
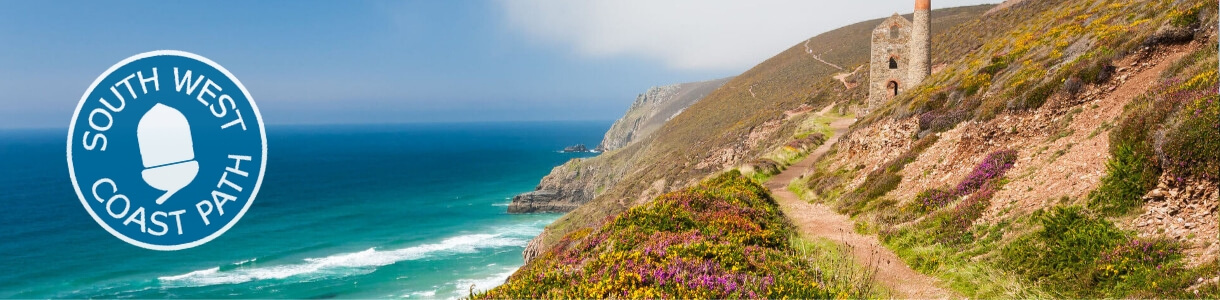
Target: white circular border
262 132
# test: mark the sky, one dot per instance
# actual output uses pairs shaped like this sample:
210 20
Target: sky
329 62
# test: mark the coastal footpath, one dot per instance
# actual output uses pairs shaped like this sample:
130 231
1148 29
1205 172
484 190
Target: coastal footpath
1059 149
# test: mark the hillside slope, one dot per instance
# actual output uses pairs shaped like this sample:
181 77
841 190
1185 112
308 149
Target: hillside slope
652 109
1061 149
754 113
1072 155
722 239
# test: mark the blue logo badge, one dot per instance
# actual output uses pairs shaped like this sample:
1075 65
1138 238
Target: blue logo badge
166 150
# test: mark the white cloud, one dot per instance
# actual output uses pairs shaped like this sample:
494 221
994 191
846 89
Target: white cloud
693 35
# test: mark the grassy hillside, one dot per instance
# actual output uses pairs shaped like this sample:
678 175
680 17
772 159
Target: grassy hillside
740 121
1045 161
1061 149
724 238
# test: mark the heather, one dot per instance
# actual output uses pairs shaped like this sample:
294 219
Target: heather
1173 130
985 173
724 238
992 167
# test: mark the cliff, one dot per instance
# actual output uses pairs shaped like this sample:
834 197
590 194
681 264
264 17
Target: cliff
576 182
652 109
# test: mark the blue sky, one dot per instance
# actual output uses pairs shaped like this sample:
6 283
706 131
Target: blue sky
409 61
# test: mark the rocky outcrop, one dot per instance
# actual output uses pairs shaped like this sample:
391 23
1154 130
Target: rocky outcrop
652 109
565 188
1183 211
532 249
578 148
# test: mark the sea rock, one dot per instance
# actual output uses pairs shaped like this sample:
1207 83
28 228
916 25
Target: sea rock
575 149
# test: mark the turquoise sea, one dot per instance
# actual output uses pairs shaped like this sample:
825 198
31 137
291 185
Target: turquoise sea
345 211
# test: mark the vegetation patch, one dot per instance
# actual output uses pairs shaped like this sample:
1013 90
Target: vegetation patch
826 184
724 238
1077 255
1172 128
883 180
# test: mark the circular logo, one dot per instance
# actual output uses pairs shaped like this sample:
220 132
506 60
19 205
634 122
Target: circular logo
166 150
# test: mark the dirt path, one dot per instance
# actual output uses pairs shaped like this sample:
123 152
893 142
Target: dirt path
819 58
817 220
842 77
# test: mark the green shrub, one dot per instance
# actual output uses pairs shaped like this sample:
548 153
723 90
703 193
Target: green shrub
1062 253
826 184
1192 149
1036 97
877 184
931 199
1186 17
1129 175
1097 72
1082 256
998 63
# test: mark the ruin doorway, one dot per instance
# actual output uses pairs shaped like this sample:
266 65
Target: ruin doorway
892 87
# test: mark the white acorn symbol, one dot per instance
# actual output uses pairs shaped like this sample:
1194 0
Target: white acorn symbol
166 149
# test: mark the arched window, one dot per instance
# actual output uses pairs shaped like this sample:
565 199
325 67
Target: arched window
894 32
893 64
892 87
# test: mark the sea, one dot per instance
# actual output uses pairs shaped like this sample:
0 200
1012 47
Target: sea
345 211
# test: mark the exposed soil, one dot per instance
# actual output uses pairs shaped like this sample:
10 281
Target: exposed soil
817 220
1186 212
1063 148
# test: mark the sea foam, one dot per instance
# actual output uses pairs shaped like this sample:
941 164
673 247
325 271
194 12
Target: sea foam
362 262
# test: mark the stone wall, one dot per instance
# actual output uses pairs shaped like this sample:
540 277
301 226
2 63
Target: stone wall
891 39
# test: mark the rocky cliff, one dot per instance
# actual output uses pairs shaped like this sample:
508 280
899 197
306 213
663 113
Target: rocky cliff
576 182
560 191
653 108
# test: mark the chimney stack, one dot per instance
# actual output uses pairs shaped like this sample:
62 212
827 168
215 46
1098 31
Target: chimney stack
921 43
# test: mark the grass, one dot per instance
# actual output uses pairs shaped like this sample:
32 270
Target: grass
1075 254
1105 126
725 238
1127 180
822 184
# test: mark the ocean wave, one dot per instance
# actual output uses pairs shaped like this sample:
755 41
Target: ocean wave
463 287
422 294
356 263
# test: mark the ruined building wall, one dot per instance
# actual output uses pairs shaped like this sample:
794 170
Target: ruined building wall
890 40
